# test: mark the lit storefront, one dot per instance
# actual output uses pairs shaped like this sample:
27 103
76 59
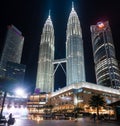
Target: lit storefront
77 95
36 105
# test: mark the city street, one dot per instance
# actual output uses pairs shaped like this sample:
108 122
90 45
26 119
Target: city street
80 122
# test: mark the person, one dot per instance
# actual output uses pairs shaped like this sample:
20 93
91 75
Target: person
11 120
10 116
76 116
94 117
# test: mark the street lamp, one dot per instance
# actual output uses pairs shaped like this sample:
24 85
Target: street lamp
20 93
5 94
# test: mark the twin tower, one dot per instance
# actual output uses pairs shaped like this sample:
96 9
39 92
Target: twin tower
75 69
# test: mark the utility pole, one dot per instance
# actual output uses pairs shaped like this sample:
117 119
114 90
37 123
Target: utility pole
5 94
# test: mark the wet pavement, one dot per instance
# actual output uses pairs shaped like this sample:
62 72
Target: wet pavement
80 122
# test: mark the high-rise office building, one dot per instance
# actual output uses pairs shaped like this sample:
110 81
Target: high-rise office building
13 47
106 65
45 79
74 50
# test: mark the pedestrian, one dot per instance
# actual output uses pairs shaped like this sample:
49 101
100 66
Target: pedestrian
76 116
11 120
94 117
10 116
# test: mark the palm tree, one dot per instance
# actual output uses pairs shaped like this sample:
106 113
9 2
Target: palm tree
97 101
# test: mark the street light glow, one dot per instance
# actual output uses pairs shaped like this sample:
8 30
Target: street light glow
20 92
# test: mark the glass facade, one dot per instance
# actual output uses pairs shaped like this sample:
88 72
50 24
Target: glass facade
13 47
45 78
74 50
106 65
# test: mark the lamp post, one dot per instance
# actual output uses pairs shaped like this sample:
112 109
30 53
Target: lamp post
5 94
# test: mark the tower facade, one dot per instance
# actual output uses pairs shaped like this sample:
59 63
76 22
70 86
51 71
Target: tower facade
13 47
106 65
74 50
45 79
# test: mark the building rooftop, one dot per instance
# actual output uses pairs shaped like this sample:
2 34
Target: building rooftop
88 86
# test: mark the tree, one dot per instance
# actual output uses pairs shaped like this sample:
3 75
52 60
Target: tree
97 101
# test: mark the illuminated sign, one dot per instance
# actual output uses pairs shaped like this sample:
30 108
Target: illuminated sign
42 102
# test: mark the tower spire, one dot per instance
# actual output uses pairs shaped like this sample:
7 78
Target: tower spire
72 6
49 14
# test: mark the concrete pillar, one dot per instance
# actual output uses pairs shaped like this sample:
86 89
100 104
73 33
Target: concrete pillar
75 99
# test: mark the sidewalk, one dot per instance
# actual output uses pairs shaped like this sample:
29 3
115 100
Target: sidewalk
80 122
111 121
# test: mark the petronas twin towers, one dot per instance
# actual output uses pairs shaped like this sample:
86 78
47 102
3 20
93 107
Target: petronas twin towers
45 78
75 70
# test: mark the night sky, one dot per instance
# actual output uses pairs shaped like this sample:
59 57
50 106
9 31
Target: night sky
29 17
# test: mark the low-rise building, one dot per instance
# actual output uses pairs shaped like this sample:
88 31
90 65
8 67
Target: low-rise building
77 95
36 105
